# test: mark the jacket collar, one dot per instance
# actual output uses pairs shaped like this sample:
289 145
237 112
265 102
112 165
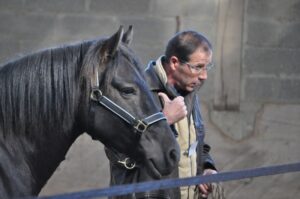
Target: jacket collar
157 79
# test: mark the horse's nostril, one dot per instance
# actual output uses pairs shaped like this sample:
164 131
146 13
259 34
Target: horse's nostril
174 156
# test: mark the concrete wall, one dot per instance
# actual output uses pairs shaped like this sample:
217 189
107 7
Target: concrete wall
267 70
254 88
271 53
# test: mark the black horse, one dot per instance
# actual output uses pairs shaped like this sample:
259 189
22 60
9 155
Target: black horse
51 97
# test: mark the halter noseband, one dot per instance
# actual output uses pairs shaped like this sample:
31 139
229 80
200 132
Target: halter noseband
140 126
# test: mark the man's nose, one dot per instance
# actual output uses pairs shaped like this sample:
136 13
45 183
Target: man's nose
203 75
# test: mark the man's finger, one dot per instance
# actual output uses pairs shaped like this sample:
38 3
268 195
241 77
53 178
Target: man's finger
203 190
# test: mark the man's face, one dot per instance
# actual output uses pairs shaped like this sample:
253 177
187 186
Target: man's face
192 74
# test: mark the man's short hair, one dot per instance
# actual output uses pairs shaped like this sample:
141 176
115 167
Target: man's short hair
185 43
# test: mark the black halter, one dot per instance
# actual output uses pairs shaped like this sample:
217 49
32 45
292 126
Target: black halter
140 126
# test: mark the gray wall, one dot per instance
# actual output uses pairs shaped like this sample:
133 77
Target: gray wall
271 51
256 88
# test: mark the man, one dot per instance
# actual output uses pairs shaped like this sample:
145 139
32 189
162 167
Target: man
174 80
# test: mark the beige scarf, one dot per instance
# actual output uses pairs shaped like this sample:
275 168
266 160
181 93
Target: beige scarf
186 137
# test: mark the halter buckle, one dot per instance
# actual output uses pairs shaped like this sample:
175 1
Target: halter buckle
140 126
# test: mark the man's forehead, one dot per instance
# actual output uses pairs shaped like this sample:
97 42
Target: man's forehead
200 55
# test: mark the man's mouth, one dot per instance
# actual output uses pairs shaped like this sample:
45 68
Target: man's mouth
193 85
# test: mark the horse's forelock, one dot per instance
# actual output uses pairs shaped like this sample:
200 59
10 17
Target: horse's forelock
123 53
132 58
104 66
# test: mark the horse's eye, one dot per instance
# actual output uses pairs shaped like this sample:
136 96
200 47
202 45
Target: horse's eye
128 91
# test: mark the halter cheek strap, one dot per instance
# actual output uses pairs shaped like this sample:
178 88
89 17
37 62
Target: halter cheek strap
140 125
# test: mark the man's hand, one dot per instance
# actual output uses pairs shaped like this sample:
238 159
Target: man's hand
175 109
206 189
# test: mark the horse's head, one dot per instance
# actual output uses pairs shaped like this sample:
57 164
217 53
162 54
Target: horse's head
119 109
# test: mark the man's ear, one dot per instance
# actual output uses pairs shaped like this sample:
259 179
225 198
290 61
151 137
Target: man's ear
174 63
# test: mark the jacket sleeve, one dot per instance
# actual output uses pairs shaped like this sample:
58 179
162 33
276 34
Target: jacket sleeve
204 160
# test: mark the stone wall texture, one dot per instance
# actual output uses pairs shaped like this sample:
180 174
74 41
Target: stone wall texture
268 112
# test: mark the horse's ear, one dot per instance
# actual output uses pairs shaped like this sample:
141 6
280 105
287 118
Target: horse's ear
111 45
127 37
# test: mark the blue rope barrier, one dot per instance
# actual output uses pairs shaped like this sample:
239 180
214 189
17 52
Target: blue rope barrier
171 183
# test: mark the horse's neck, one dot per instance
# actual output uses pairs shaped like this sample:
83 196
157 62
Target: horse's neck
28 165
54 149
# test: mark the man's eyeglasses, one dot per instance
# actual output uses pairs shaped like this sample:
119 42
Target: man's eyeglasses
197 69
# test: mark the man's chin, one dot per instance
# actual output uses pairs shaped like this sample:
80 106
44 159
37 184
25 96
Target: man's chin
198 86
190 88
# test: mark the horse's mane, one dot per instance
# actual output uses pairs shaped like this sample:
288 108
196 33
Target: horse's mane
40 89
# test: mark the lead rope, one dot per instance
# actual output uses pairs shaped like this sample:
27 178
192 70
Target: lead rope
216 193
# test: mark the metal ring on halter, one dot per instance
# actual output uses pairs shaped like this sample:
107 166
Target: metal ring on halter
96 94
128 164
